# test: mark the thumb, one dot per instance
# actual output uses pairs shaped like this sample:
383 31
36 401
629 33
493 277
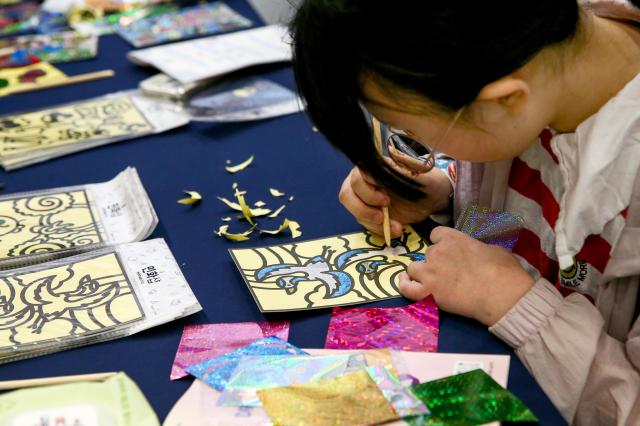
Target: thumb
412 289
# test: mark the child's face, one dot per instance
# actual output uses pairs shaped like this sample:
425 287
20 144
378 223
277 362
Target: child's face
487 131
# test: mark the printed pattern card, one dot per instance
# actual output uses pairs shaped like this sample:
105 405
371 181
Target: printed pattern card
193 21
334 271
54 48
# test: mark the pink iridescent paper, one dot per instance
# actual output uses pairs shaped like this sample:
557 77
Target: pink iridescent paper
205 341
408 328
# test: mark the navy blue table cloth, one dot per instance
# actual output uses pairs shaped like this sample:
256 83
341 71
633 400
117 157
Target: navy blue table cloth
289 156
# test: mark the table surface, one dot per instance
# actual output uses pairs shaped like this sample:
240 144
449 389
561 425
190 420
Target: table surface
287 153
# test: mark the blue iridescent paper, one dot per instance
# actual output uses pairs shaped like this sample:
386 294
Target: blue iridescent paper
261 372
400 396
217 371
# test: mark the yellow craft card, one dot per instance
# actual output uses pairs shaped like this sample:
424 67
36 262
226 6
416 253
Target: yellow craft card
43 223
67 301
18 78
74 123
333 271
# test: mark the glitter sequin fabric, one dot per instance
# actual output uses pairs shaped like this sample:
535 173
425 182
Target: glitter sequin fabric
408 328
217 371
490 226
352 399
262 372
467 399
205 341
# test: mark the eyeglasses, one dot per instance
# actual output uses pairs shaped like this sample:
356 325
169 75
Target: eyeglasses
407 152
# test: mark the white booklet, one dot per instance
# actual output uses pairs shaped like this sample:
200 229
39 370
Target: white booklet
204 58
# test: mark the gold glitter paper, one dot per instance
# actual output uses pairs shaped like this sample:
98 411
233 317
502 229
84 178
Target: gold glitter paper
352 399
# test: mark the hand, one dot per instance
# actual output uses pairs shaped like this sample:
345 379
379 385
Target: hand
364 199
467 277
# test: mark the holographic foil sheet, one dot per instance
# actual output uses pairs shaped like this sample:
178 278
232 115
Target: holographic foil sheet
352 399
217 371
205 341
408 328
400 396
471 398
261 372
491 226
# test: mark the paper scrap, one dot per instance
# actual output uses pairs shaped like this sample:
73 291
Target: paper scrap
235 206
193 198
243 236
277 212
226 219
259 204
241 166
276 193
291 198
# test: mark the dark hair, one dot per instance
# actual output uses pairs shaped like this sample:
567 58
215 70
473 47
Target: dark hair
443 50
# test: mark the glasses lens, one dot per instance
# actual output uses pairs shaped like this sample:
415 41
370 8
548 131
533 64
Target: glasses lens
410 154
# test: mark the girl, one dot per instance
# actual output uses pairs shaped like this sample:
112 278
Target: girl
539 103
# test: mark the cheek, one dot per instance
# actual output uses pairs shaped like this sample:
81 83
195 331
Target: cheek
478 146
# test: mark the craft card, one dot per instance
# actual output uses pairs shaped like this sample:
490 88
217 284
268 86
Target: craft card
18 18
244 99
17 79
91 297
41 223
203 58
333 271
192 21
54 48
54 304
80 122
41 135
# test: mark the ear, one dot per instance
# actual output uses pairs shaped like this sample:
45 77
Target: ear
512 93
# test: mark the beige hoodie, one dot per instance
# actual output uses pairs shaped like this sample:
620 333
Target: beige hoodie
585 357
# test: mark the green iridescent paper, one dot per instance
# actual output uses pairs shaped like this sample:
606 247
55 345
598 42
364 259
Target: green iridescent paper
471 398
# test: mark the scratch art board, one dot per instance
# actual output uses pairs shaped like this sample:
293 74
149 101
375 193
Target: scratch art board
40 74
334 271
60 303
73 123
38 224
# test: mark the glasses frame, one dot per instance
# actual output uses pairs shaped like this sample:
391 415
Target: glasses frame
396 146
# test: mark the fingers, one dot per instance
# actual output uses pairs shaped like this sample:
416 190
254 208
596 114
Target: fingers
396 228
357 207
412 289
366 189
440 233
